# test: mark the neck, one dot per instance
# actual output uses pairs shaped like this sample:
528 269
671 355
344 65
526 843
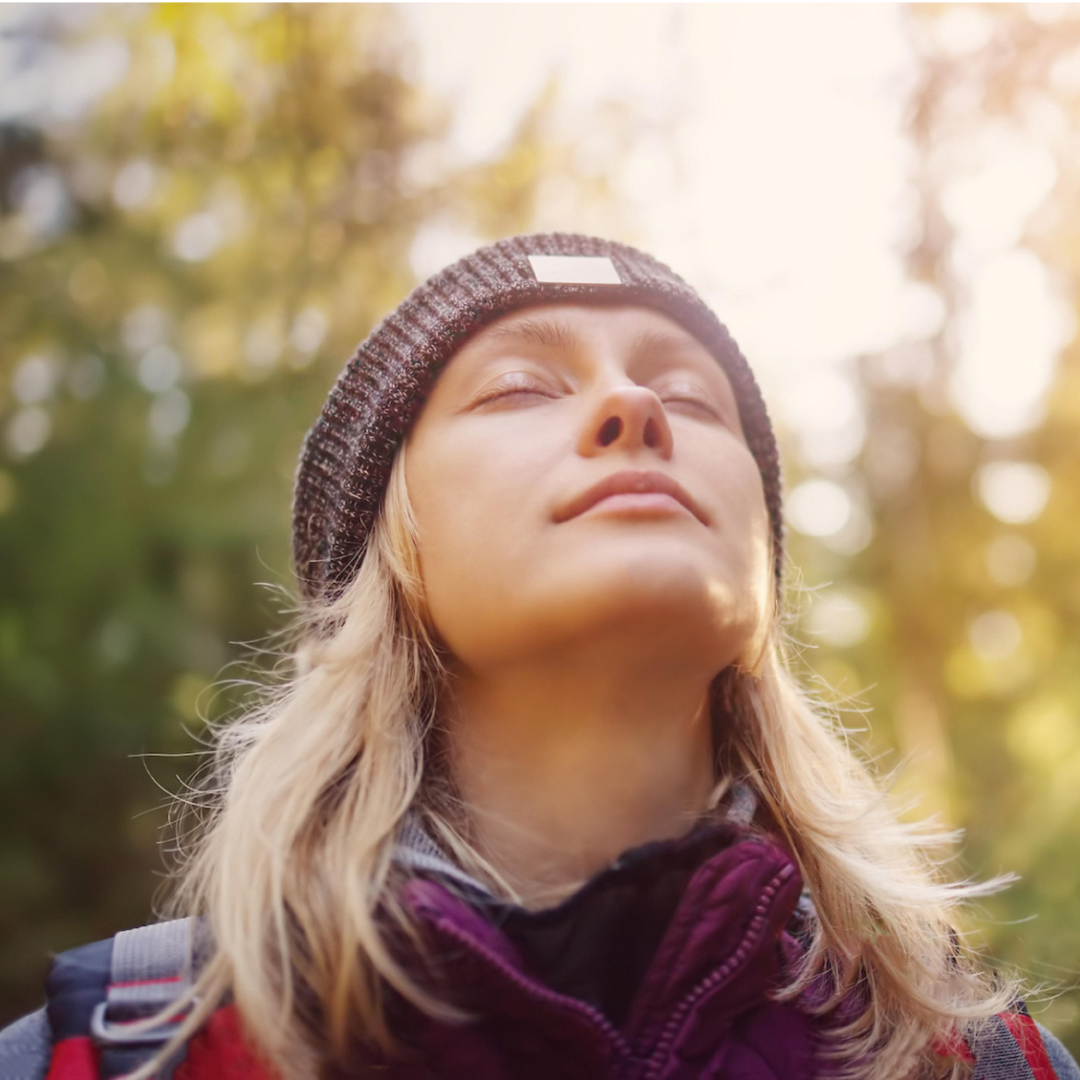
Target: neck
565 762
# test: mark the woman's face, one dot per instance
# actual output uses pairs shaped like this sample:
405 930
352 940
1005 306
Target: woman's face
581 470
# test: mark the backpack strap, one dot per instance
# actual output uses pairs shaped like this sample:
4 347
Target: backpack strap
1011 1041
98 991
151 967
1012 1046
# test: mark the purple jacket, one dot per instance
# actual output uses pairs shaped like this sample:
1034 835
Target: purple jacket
697 1006
659 968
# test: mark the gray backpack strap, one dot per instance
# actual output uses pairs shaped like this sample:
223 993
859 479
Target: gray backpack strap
152 966
1012 1046
26 1047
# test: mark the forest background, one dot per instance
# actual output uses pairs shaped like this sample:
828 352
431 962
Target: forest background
204 208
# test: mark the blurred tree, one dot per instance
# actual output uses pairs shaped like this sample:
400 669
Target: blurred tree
955 617
184 267
186 262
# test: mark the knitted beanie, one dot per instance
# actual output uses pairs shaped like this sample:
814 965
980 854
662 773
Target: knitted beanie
347 455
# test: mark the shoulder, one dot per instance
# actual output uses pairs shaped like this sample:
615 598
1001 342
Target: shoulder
1065 1067
78 979
25 1047
1011 1044
91 988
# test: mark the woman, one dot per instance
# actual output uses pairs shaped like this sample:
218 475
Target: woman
539 798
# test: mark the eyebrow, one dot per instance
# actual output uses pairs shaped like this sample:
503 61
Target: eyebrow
652 340
554 334
549 333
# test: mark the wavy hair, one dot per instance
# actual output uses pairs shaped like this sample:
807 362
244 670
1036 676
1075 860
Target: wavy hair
291 861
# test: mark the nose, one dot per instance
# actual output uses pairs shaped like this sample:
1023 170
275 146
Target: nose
627 418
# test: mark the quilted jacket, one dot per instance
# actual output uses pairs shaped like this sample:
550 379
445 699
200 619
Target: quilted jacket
659 968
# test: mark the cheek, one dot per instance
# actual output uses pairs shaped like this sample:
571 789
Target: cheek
755 576
757 530
744 532
475 528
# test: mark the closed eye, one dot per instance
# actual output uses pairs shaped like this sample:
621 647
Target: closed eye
518 385
694 400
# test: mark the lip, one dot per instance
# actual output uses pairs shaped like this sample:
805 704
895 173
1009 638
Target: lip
631 482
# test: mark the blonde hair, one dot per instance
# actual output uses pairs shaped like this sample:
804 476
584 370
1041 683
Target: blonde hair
292 862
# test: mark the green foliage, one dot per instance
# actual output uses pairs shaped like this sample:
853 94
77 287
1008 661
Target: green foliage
183 272
227 223
971 662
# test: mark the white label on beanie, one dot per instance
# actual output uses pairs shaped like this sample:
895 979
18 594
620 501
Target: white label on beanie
575 269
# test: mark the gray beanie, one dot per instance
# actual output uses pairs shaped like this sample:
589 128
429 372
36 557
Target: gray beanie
347 455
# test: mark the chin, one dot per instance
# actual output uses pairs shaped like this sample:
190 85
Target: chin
673 599
669 571
679 604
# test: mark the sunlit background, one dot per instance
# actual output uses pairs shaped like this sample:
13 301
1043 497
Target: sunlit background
204 209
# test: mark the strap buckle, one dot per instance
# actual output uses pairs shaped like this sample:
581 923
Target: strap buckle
106 1032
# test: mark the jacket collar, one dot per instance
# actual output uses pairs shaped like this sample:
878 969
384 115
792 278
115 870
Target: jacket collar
697 915
717 957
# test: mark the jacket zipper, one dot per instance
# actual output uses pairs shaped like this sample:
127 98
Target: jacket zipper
656 1060
628 1065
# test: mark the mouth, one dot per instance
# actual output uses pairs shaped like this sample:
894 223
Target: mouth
649 489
